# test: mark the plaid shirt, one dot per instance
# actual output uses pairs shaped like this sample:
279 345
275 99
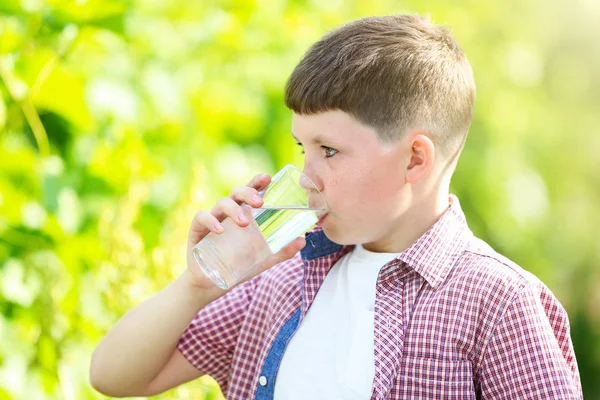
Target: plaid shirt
453 320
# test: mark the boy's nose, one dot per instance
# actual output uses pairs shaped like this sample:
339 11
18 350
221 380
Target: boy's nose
307 183
314 188
311 171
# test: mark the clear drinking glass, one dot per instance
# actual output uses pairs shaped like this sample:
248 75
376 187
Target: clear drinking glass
292 205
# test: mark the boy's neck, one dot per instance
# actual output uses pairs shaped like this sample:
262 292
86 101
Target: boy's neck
412 224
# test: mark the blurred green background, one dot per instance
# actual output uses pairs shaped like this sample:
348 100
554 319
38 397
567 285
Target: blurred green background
120 119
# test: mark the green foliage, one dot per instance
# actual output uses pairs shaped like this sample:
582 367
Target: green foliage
119 119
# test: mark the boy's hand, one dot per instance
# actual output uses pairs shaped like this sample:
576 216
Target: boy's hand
205 222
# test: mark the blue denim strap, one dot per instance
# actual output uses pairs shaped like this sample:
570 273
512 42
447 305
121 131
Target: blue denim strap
266 385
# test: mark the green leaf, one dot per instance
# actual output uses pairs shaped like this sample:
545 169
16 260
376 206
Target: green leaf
2 114
11 7
149 225
4 395
12 34
107 15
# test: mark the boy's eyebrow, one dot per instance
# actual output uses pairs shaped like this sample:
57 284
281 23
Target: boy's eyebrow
316 140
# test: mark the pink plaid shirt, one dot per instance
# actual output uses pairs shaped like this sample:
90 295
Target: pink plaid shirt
453 320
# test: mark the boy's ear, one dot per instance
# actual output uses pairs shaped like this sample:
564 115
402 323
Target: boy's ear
421 157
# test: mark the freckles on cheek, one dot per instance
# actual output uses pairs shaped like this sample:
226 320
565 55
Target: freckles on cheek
369 202
361 194
378 190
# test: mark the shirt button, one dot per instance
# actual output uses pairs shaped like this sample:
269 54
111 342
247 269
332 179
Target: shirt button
262 380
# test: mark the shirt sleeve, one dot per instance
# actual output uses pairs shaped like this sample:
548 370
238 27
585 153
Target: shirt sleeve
209 341
530 355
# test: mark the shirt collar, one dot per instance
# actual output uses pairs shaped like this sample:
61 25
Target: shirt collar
318 245
432 255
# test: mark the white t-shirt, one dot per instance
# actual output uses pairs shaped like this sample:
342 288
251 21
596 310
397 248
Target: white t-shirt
331 354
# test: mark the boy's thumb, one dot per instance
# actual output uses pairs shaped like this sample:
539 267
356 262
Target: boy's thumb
284 254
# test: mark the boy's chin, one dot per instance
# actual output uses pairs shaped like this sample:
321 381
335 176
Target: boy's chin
338 237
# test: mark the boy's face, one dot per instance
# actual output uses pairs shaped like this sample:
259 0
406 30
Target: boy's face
362 179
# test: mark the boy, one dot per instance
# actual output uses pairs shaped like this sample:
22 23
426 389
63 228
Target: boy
391 297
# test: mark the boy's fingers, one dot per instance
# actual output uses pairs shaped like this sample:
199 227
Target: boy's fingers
259 181
227 207
202 223
248 195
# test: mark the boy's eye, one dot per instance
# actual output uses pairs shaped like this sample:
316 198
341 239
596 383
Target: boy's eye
329 152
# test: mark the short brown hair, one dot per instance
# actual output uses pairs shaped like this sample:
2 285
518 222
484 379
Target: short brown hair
393 73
